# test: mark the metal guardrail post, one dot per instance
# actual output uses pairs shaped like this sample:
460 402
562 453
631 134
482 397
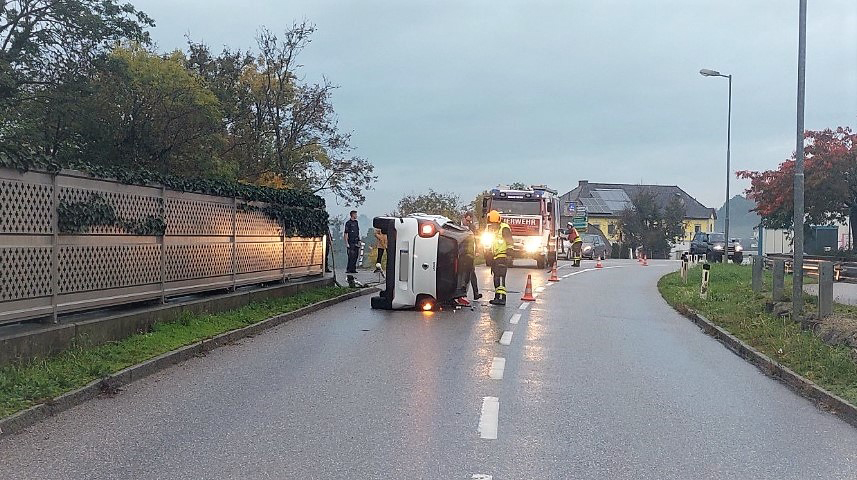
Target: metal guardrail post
162 243
779 280
55 250
234 241
825 289
758 273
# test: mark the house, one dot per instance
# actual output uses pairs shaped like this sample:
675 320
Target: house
604 203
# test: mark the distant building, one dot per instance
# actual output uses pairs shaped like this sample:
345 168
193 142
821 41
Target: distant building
604 203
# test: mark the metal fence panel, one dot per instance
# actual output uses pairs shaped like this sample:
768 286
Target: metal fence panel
210 243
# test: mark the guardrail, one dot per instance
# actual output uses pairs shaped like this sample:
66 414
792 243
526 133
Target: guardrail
210 243
843 271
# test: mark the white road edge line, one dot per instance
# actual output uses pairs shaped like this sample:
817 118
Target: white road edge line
540 289
524 306
498 365
506 339
489 418
515 319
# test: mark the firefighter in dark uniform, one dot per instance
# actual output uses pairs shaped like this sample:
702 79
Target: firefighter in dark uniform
499 258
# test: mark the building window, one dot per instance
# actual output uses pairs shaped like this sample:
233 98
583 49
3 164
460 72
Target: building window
697 228
611 229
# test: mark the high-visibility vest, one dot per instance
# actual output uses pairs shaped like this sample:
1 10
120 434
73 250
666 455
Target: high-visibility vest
500 246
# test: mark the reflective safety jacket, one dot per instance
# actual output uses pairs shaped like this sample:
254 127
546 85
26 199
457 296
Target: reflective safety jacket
499 247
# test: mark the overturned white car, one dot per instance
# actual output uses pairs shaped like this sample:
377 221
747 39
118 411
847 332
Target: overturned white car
429 260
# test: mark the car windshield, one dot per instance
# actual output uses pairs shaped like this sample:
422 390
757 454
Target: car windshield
716 237
588 238
517 207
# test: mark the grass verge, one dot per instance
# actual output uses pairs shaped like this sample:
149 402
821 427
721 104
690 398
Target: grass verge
731 304
22 386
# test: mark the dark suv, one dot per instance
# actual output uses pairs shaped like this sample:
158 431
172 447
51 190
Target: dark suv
713 245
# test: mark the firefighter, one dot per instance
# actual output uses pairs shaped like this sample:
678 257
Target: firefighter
576 243
502 241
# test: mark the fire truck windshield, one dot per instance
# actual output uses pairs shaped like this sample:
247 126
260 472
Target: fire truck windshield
517 207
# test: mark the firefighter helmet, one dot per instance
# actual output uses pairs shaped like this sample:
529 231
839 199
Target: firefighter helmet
493 216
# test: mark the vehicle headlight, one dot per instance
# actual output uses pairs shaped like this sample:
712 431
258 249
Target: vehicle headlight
532 245
739 248
718 247
587 248
487 239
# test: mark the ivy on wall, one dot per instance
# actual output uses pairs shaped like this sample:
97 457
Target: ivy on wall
300 212
81 217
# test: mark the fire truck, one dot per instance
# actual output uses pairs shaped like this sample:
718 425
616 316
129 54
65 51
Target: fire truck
533 216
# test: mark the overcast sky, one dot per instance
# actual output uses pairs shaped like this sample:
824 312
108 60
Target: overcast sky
463 95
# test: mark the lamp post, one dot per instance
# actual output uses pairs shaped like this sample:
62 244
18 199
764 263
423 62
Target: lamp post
714 73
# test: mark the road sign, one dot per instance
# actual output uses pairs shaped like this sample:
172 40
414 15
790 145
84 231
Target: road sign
571 207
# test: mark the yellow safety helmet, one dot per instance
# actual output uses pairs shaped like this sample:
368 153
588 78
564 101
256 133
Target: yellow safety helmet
493 216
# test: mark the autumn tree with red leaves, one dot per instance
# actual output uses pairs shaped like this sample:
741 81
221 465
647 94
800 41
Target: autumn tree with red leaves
830 168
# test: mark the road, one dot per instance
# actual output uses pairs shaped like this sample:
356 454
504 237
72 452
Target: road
600 379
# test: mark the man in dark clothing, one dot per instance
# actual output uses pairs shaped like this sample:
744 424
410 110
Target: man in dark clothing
468 223
352 240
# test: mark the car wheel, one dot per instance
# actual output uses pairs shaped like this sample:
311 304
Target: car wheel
738 258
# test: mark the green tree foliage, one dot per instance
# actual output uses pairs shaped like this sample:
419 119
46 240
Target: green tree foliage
78 84
433 203
149 111
282 131
650 225
48 52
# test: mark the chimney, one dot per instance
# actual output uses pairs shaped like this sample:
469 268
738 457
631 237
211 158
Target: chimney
581 183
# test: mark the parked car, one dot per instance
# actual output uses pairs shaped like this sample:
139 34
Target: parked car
593 247
713 246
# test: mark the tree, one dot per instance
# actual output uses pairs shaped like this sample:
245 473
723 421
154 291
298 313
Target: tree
282 131
475 206
518 186
48 51
830 171
148 110
652 226
432 203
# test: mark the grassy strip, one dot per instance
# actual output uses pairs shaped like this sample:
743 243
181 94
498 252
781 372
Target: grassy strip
732 305
22 386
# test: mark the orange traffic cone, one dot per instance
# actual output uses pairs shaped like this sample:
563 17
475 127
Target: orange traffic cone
598 264
645 261
528 292
554 277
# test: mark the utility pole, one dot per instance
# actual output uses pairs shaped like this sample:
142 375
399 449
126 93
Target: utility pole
797 276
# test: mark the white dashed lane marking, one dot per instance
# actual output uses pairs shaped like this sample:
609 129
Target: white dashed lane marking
489 418
481 476
498 365
524 306
506 339
515 319
540 289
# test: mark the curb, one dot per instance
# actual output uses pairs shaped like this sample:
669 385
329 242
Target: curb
17 422
823 399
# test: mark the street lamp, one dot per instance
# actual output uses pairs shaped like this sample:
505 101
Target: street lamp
714 73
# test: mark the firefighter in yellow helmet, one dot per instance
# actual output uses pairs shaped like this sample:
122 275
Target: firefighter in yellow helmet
498 255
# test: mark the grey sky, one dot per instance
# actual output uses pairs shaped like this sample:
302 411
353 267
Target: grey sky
463 95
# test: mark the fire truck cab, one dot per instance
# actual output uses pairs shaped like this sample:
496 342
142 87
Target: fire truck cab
533 216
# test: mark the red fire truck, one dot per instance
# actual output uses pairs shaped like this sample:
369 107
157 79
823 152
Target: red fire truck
533 216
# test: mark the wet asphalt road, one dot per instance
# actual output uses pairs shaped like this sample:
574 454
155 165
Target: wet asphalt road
601 380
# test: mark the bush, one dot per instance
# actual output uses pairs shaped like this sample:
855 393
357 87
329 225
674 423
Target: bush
616 251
